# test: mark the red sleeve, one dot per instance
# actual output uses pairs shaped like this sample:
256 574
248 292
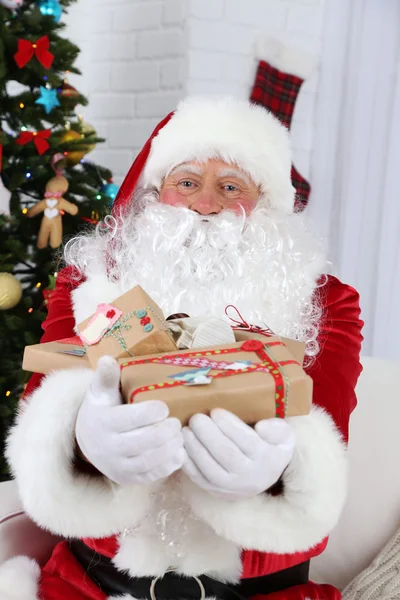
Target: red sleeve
60 318
337 366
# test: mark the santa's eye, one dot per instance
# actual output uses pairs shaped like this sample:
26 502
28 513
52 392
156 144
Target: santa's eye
186 183
230 188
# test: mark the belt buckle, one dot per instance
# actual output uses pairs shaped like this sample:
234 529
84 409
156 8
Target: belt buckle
156 579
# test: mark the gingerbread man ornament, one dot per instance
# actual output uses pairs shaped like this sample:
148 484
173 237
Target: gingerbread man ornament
52 205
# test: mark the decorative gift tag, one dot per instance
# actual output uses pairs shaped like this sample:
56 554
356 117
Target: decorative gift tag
101 322
193 377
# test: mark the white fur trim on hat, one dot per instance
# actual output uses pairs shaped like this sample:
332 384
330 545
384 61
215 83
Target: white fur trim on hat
234 131
40 450
285 58
314 490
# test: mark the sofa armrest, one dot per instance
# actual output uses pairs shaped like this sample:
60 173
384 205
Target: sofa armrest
18 534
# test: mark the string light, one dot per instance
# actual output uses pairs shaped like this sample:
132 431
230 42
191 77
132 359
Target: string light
65 153
28 175
55 274
98 197
24 211
23 128
45 78
30 310
21 105
38 285
8 393
62 212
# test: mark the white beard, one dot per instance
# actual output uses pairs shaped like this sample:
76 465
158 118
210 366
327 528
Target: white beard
266 265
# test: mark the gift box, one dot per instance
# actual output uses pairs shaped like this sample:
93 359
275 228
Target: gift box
52 356
131 325
256 379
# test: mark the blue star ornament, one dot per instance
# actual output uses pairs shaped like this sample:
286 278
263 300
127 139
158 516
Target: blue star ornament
48 98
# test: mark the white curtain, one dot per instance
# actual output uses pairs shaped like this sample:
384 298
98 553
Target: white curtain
355 170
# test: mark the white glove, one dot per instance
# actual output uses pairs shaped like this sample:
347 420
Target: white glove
129 443
231 460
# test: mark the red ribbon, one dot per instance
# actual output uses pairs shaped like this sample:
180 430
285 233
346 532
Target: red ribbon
40 49
39 138
243 324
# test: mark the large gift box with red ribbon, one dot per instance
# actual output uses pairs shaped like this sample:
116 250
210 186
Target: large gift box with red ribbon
255 379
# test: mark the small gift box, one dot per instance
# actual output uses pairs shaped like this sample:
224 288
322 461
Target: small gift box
255 379
131 325
51 356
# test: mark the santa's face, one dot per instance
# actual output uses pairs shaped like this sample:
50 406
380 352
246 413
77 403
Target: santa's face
210 187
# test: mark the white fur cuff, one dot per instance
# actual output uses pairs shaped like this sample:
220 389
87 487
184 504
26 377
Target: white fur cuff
308 509
285 58
41 449
19 579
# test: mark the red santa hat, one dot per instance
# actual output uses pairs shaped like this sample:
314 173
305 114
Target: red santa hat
236 131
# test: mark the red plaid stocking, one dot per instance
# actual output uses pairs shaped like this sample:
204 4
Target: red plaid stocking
280 74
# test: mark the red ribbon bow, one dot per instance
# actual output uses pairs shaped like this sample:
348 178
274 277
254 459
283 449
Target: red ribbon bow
242 324
38 137
40 48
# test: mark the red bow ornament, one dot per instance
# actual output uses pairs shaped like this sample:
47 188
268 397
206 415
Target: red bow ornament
40 48
39 138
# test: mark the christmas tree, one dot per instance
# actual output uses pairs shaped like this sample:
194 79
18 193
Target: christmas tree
48 188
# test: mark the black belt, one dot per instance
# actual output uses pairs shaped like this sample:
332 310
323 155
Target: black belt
111 581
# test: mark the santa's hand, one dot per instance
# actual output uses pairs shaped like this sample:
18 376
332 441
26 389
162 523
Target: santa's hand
233 461
129 443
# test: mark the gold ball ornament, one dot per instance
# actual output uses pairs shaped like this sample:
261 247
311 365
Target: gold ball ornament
88 130
75 156
10 291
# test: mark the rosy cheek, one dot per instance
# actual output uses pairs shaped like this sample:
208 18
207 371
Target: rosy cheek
172 197
248 205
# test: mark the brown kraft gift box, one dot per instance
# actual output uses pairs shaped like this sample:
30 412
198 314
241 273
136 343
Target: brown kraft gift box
140 328
52 356
281 389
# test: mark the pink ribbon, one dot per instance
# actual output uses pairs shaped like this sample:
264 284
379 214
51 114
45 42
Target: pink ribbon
57 194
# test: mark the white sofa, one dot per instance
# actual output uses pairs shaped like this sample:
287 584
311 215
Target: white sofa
372 512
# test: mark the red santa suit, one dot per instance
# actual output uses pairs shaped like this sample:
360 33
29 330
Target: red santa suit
225 541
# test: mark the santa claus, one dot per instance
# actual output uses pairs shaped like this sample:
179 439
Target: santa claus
217 509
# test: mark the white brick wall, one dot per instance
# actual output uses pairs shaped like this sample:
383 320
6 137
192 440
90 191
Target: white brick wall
139 57
133 65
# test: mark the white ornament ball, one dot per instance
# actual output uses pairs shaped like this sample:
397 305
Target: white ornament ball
11 4
10 291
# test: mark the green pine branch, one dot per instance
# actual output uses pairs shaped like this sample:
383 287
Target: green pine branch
25 173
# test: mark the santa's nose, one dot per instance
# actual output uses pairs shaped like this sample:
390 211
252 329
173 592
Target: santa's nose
206 204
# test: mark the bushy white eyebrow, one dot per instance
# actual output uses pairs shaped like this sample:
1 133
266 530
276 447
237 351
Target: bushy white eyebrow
188 168
229 172
199 171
